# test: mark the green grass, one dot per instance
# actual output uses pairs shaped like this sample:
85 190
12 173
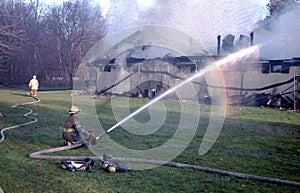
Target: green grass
255 141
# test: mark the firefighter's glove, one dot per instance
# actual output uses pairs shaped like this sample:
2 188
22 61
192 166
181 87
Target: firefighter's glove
90 140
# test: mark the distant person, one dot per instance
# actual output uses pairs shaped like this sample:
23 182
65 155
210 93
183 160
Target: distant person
34 85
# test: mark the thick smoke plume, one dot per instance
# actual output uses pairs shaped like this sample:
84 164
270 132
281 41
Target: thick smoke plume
280 35
203 20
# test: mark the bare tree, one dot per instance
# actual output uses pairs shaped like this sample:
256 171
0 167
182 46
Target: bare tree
277 6
73 25
49 41
11 35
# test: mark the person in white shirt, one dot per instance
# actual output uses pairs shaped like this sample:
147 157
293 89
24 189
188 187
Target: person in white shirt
34 85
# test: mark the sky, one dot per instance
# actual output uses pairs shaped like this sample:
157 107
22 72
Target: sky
105 4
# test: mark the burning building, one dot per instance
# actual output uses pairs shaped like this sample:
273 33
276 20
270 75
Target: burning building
140 63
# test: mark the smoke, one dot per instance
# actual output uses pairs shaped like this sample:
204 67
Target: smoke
203 20
279 36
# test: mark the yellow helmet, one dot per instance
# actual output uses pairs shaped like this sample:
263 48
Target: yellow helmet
74 110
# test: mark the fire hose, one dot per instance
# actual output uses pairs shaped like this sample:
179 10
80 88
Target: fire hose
21 105
40 155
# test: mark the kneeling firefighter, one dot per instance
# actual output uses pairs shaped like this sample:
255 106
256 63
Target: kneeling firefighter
72 127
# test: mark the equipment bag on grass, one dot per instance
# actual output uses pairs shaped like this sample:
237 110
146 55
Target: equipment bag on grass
111 164
84 165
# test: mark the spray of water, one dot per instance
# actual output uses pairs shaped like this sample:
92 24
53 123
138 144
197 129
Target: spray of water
227 60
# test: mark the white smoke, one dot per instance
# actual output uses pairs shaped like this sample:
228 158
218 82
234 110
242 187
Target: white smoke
280 36
203 20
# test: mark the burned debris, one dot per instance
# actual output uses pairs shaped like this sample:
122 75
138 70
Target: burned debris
148 71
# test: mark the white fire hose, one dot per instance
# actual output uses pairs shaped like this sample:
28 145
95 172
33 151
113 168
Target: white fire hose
21 105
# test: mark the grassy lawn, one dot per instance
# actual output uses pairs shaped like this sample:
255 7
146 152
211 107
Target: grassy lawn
256 141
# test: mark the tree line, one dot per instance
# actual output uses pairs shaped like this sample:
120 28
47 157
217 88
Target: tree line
46 40
277 6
